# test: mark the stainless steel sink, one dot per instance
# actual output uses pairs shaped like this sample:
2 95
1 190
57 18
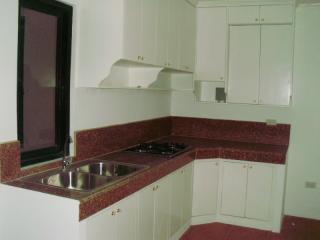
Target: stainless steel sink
89 177
76 180
110 169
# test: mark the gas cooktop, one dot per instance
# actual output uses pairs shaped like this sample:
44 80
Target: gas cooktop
167 149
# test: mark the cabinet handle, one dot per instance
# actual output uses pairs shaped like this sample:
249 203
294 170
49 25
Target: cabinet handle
257 19
113 213
262 19
154 188
250 167
221 78
142 58
217 164
118 210
157 187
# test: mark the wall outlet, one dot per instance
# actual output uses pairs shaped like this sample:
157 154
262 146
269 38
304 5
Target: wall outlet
311 185
271 122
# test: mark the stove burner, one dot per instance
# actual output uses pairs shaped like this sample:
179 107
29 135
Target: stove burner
167 149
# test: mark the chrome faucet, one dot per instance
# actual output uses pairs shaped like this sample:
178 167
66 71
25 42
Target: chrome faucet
66 160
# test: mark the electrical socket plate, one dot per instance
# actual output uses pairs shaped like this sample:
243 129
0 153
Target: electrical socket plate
311 185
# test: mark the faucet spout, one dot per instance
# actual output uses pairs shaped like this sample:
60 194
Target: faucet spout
66 160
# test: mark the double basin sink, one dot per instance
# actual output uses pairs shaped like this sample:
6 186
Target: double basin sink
91 176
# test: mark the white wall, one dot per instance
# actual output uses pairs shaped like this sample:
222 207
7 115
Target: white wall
90 108
8 69
304 115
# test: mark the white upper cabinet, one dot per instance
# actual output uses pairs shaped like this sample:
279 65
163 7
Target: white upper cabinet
187 35
280 14
140 30
172 50
244 64
162 32
244 15
276 64
148 37
276 14
212 32
133 29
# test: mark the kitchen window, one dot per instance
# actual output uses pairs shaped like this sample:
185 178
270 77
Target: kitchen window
44 56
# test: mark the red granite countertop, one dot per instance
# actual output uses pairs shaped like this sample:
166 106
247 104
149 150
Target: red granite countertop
158 167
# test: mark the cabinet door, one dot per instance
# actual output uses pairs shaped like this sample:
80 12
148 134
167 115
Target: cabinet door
187 36
276 64
244 15
162 210
176 200
276 14
244 64
148 38
211 43
162 32
234 183
172 50
205 187
102 225
127 218
146 213
187 193
259 191
132 29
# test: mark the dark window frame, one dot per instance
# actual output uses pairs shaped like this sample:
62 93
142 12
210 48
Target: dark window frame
64 40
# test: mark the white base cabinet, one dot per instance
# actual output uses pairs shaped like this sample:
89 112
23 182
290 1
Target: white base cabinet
117 222
214 190
205 187
238 192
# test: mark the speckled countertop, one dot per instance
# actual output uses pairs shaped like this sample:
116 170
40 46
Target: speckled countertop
159 166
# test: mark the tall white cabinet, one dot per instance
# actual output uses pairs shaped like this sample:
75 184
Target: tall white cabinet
248 50
276 64
260 54
211 44
244 64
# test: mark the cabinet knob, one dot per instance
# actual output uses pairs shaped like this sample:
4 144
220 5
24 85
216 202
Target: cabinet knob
217 164
262 19
139 57
250 167
113 213
118 210
221 78
257 19
142 58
